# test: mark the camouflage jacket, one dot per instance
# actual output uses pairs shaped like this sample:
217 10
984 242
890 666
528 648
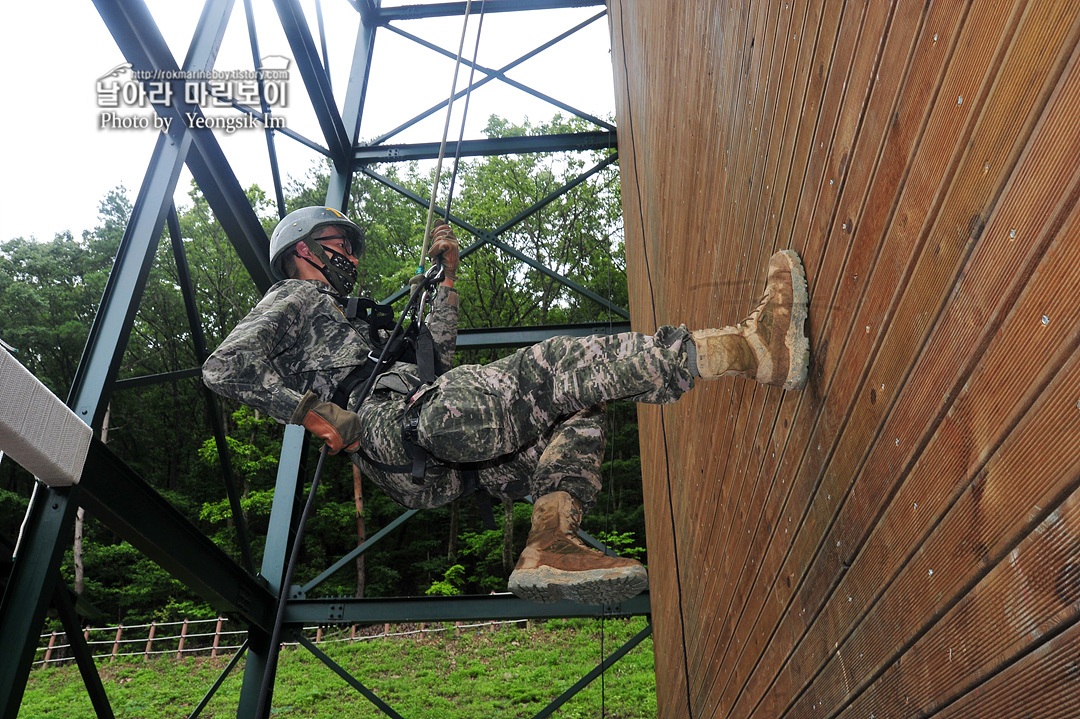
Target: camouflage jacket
298 339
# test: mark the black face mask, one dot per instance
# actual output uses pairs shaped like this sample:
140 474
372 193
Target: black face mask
346 272
341 273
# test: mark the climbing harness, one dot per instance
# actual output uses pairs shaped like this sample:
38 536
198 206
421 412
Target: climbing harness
374 367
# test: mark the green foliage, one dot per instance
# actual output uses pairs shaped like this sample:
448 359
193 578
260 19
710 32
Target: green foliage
450 585
622 543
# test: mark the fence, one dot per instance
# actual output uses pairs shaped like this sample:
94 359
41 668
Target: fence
185 637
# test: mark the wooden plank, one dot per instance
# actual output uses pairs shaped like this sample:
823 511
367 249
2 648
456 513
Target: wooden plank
1031 207
1041 684
1003 115
633 94
801 62
990 280
892 71
841 58
921 375
889 135
1030 591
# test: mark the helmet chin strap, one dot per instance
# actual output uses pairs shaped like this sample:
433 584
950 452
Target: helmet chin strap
338 279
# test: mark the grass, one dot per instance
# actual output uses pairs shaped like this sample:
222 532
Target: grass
509 672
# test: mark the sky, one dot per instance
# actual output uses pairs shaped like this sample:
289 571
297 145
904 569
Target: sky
58 163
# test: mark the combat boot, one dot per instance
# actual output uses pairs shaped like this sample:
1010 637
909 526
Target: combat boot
770 345
557 564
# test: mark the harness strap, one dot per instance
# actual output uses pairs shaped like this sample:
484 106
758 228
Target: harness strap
410 426
471 478
354 378
425 356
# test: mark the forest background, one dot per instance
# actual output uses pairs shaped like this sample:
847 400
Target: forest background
49 292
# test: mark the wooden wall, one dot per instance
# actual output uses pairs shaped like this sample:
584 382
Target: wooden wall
903 537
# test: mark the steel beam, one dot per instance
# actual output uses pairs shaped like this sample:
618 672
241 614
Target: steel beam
492 74
187 290
496 74
337 192
112 325
600 669
349 678
220 680
474 339
490 238
134 510
477 338
49 526
450 9
137 36
287 489
142 44
308 612
565 142
84 658
315 80
364 546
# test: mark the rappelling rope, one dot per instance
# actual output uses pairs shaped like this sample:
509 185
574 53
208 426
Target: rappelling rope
465 110
663 426
446 131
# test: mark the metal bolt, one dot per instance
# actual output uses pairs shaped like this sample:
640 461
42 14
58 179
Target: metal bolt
960 100
1045 320
1012 234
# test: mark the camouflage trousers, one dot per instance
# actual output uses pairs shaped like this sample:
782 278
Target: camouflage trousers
530 423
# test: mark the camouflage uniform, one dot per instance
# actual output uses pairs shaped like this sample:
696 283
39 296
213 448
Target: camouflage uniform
530 423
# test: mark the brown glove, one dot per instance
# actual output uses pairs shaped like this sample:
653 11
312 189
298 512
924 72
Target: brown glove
339 428
444 243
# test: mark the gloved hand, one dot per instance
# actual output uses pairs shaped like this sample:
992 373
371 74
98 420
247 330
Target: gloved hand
444 243
339 428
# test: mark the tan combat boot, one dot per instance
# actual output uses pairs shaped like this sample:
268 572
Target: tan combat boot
556 564
770 345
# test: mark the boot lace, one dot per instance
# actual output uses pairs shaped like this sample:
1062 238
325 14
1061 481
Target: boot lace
756 312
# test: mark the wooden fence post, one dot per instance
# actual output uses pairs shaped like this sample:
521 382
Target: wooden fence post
116 641
217 636
183 636
52 643
150 639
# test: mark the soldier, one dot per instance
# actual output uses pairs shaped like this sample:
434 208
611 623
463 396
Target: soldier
530 423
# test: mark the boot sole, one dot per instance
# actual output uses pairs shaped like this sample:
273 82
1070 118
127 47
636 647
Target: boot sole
594 586
797 342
